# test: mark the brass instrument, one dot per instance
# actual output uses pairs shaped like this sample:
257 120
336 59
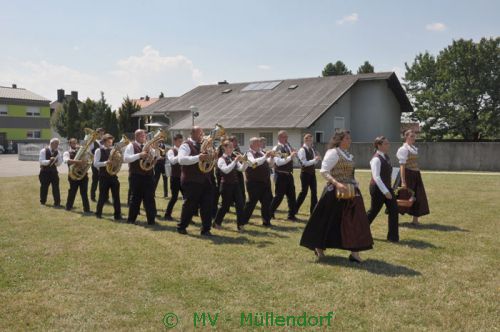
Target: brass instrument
244 158
77 171
207 147
115 159
54 161
150 161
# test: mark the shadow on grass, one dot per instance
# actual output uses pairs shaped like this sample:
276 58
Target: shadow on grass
434 227
374 266
417 244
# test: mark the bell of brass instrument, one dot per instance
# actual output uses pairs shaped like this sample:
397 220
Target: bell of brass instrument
150 161
76 171
115 159
207 147
245 159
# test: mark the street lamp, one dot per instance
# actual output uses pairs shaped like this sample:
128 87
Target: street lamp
194 113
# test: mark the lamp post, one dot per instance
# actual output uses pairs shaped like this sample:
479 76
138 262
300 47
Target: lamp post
194 113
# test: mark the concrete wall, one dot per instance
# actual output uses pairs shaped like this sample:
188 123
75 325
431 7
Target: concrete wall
444 156
375 111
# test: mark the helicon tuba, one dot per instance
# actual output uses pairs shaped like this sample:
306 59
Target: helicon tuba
78 172
150 161
207 147
115 159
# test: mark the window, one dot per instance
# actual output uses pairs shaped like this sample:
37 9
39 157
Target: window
261 86
293 87
338 123
269 138
32 111
318 137
33 134
227 90
3 110
240 137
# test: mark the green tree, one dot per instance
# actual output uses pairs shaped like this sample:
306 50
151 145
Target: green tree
339 68
59 120
87 110
73 125
366 68
457 92
99 113
126 122
111 123
161 95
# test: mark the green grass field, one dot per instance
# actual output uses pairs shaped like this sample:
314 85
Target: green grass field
60 270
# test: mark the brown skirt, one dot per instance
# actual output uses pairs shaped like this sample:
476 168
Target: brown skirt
414 182
340 224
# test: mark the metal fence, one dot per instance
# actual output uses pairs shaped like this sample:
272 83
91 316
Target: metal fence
31 151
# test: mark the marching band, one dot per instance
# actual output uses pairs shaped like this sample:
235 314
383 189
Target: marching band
203 173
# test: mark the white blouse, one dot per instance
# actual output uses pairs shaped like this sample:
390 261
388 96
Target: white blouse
404 151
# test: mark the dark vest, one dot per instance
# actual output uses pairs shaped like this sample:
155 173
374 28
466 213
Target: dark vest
192 173
134 168
260 173
104 156
309 156
385 171
231 177
48 155
176 169
72 155
288 167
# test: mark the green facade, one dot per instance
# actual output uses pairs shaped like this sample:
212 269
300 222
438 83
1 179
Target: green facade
20 111
16 123
18 134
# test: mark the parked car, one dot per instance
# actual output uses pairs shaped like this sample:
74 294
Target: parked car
2 150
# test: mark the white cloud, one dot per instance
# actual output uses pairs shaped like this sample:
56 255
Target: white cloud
264 67
353 18
148 73
436 26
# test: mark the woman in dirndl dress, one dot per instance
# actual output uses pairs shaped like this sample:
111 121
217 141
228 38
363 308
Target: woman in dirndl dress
411 177
338 223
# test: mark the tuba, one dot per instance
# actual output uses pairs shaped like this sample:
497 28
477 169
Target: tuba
207 147
78 172
150 161
115 160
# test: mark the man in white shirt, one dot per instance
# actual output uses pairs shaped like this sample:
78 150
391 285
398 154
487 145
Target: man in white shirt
284 176
74 185
197 187
308 158
49 159
175 175
141 181
95 172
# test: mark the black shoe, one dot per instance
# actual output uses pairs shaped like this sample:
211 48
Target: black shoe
58 206
181 231
87 213
93 199
292 218
168 217
206 233
131 222
267 224
118 218
42 203
151 223
98 216
68 208
393 240
353 259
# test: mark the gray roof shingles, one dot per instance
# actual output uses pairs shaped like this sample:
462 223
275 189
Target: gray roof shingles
20 94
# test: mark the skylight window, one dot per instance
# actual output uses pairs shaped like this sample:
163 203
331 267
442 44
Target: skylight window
261 86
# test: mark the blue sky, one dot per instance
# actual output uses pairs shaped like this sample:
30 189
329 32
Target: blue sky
143 47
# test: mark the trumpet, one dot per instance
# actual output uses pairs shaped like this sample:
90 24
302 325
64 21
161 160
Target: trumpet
244 158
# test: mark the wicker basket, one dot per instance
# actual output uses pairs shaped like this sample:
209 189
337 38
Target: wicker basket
405 197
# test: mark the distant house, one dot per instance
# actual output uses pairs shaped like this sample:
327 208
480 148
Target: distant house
151 111
24 116
61 98
367 104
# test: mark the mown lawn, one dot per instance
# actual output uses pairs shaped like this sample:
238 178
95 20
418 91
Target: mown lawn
60 270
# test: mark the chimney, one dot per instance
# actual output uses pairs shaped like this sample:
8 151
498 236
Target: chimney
147 98
60 95
14 86
223 82
74 94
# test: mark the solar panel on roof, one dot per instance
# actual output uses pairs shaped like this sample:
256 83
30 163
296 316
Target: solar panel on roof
261 86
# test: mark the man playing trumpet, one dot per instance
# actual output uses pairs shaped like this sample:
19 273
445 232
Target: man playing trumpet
49 159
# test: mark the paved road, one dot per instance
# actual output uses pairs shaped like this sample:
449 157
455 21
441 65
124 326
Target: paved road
10 166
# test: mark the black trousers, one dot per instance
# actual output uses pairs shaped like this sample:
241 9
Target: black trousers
307 181
141 187
241 181
197 195
258 192
377 201
105 184
160 172
175 187
284 186
95 182
230 192
47 179
73 189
